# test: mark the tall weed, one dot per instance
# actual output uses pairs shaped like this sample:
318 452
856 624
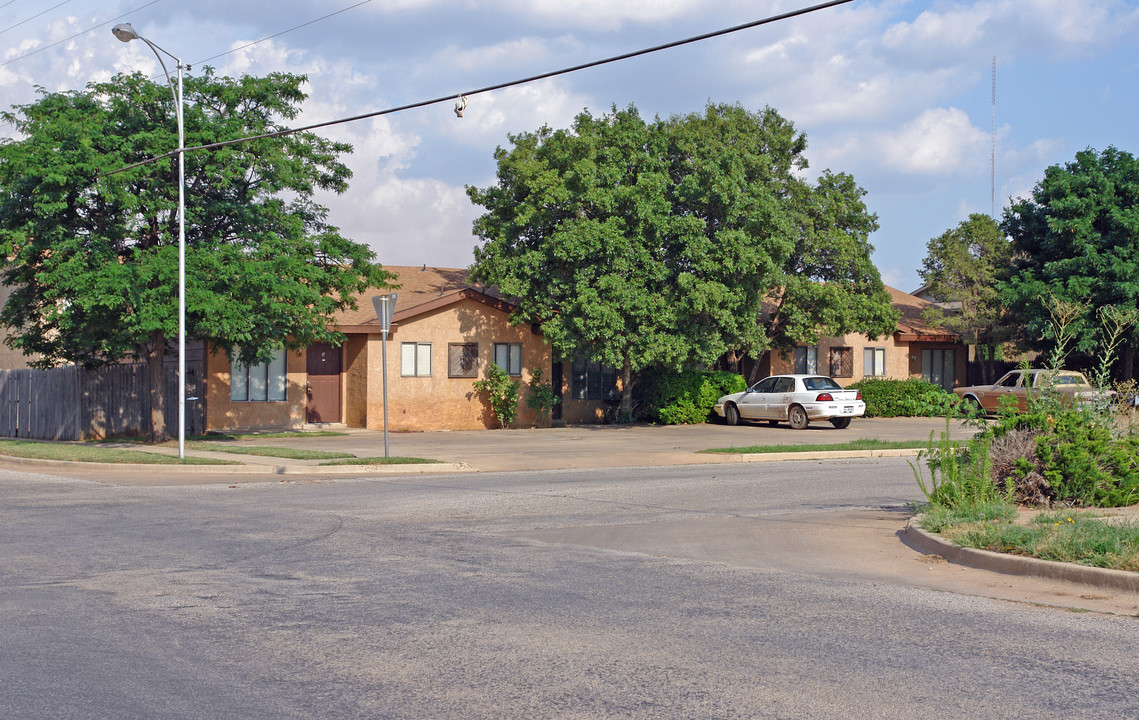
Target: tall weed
960 476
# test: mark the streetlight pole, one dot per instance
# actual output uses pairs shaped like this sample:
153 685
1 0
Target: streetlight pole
126 33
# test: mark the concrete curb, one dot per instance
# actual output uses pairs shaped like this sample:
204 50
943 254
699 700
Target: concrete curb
818 455
397 469
263 468
1018 565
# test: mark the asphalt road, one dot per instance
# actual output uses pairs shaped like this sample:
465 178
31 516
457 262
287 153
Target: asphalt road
666 592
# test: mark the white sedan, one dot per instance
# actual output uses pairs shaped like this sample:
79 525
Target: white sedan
796 399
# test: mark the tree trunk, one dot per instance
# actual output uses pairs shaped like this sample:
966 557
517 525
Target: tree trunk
735 362
156 365
625 410
1128 369
753 375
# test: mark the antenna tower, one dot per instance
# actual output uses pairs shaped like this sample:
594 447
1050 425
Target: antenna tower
993 148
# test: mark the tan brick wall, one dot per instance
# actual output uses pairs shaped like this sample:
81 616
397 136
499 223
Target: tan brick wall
903 359
440 402
356 373
581 411
437 402
11 359
224 415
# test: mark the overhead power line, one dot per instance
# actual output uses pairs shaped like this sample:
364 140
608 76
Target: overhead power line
81 32
499 86
33 17
295 27
270 37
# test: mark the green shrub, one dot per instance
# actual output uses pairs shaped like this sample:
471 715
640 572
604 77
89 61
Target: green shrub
904 398
502 392
687 396
1073 455
541 397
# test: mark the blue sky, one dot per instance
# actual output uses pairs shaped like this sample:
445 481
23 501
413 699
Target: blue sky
899 94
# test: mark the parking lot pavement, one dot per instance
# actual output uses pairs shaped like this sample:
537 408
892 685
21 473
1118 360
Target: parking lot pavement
596 446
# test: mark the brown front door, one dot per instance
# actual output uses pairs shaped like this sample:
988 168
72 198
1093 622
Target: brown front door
323 369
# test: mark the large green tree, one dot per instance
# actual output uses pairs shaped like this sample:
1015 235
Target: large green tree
1076 241
92 257
660 243
964 265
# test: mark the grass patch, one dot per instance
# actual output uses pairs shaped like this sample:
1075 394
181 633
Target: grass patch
863 444
1073 537
215 436
938 518
381 461
222 436
278 452
76 452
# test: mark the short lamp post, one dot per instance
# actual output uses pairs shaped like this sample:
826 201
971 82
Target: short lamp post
126 33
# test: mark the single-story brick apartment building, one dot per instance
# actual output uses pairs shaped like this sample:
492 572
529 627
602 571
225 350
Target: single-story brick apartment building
446 331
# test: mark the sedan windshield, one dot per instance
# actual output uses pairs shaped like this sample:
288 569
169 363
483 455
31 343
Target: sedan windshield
820 383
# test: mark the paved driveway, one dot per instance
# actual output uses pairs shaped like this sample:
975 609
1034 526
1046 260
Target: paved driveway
595 446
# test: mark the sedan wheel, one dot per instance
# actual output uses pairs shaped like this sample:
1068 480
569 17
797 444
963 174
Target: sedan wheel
973 406
840 423
731 415
797 416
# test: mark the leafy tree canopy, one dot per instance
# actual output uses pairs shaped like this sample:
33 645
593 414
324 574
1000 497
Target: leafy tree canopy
1076 240
92 259
659 243
963 265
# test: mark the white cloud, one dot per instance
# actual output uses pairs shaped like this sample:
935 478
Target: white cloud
941 140
829 68
1018 188
409 222
505 53
898 278
603 14
931 30
1053 27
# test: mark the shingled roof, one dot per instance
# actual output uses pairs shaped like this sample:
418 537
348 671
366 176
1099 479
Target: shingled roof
421 289
424 289
911 327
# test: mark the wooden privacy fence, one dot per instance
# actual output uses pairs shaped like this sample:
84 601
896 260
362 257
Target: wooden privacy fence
70 403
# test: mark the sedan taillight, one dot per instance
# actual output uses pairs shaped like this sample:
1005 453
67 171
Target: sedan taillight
824 397
857 394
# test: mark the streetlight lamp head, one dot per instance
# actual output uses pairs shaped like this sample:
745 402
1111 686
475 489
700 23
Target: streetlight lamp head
126 33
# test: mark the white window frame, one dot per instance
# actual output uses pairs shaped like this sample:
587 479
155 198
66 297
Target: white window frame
508 356
874 362
263 382
415 359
